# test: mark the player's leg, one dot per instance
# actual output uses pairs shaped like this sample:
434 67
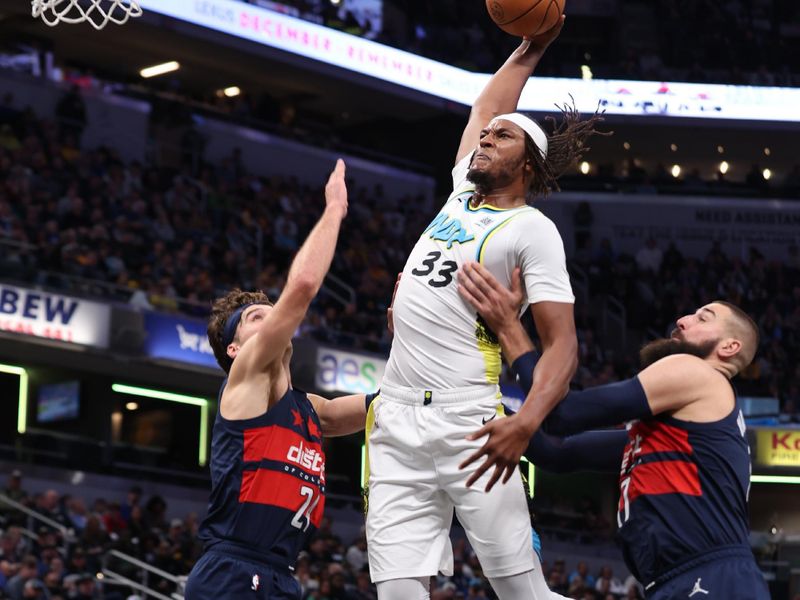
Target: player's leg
405 589
217 576
730 578
408 516
497 523
523 584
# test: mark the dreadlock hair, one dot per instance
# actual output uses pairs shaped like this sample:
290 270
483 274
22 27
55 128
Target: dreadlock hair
566 146
220 312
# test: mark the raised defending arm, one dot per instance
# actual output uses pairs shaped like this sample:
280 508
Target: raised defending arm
302 284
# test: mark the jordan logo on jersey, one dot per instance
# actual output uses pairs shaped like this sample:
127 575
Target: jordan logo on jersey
697 589
444 228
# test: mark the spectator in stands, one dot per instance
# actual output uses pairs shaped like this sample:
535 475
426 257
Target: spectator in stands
132 501
364 590
582 571
608 584
113 523
86 587
76 513
94 539
35 588
155 513
71 113
649 257
28 571
14 491
357 554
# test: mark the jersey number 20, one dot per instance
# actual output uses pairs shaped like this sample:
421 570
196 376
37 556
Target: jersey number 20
445 273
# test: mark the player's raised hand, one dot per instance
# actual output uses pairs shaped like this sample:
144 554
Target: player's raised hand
498 306
390 310
336 189
539 43
508 439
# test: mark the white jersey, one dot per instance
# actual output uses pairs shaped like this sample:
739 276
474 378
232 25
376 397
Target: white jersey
439 340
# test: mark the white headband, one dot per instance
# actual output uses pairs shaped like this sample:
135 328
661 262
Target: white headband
529 126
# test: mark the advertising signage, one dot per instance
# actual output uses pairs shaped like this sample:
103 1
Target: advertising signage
340 371
179 339
452 84
778 447
53 316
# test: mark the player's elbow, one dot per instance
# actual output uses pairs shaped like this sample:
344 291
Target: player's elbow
484 110
302 288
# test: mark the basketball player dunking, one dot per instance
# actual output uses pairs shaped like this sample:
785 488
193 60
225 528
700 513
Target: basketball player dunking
441 378
683 460
267 464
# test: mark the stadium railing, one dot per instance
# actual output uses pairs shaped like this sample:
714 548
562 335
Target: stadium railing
145 570
68 535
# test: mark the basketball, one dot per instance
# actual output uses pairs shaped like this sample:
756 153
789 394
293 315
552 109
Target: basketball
525 17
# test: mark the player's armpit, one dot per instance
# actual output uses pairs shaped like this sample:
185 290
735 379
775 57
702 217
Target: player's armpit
341 416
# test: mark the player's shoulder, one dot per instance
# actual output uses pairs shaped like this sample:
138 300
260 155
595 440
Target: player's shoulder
688 370
533 224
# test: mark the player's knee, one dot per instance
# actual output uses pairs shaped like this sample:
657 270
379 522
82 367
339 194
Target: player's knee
404 589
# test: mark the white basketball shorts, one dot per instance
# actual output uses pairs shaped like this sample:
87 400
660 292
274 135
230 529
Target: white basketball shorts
415 442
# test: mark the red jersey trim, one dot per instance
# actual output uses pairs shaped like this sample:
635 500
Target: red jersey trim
664 477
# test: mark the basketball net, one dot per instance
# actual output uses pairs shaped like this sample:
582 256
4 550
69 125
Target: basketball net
98 13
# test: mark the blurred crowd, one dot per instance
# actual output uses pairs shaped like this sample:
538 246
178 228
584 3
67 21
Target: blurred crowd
175 238
658 284
52 566
741 42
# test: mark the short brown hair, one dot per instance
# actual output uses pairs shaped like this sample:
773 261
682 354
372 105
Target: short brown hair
221 311
744 328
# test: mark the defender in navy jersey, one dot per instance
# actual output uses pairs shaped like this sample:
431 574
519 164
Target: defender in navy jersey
267 463
683 460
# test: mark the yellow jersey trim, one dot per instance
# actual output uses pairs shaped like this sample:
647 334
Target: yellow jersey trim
369 426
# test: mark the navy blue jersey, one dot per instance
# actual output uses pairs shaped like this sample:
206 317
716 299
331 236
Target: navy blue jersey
683 491
267 480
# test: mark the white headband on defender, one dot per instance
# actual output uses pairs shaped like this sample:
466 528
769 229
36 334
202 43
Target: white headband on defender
529 126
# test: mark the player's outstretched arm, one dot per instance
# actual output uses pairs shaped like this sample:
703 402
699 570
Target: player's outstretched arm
599 451
343 415
667 385
501 95
590 451
508 438
305 277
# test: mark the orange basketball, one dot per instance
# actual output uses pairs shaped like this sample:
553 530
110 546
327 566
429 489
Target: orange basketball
525 17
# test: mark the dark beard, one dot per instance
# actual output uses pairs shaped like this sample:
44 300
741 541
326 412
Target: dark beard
658 349
484 182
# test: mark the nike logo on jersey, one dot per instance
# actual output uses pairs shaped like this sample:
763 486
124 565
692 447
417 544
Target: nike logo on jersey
485 420
444 228
697 589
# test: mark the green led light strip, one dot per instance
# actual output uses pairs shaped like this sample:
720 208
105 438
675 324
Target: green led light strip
202 403
774 479
22 400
